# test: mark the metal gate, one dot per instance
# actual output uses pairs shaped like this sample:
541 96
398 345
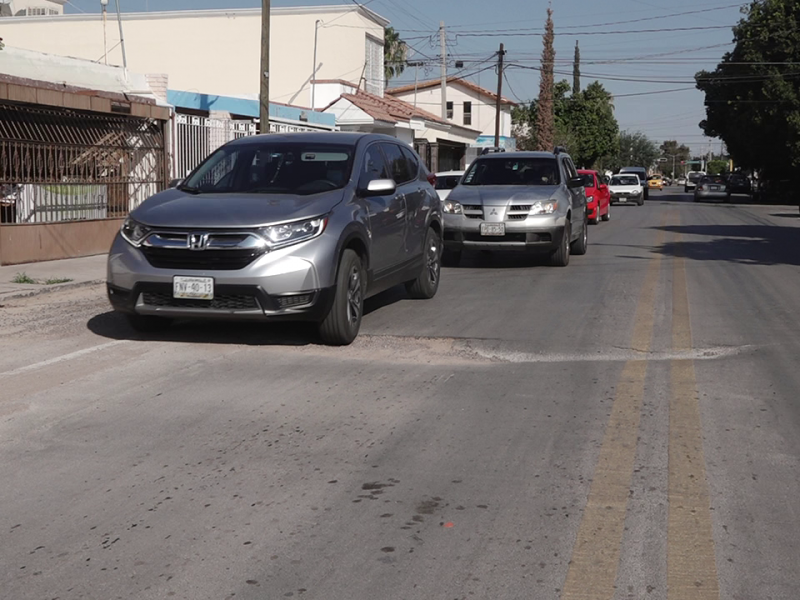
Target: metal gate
66 165
198 137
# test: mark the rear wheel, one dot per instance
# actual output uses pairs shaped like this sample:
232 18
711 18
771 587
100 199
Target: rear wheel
426 284
148 323
596 219
581 245
607 216
342 323
560 258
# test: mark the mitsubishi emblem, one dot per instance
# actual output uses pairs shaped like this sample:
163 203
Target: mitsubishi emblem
494 212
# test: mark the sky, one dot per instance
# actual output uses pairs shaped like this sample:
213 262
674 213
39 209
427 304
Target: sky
640 50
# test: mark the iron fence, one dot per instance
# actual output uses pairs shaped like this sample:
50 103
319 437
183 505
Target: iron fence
65 165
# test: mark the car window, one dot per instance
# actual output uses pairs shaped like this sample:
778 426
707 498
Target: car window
273 168
625 180
374 167
413 162
572 173
513 171
588 179
398 164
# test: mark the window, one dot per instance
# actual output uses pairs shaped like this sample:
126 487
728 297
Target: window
449 110
374 66
413 162
467 113
374 167
588 179
398 164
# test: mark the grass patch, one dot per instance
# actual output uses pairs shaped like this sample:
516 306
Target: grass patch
55 280
23 278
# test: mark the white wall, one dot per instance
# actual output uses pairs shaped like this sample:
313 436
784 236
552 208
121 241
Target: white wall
216 51
483 109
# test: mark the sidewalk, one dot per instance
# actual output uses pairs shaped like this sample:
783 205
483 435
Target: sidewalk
78 272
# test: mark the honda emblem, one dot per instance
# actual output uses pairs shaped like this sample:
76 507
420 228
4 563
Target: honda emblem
198 241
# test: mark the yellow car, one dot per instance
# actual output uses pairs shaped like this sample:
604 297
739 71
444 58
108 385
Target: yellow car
655 182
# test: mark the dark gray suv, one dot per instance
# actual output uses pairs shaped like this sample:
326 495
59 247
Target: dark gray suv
282 227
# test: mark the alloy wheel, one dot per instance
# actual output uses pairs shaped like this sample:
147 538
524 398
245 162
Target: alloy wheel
354 295
434 264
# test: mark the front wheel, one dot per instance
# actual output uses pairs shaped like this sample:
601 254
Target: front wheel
581 245
560 258
426 284
640 201
340 327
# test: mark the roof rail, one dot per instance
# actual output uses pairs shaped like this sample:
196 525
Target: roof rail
559 149
486 151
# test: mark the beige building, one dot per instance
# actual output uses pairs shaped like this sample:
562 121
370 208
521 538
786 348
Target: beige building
468 105
218 51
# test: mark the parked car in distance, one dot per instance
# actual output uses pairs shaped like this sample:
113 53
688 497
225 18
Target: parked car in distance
298 227
532 201
654 182
739 184
626 188
446 181
598 197
641 172
712 187
692 178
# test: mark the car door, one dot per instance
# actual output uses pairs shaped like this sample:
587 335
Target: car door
400 171
386 214
416 202
578 199
604 196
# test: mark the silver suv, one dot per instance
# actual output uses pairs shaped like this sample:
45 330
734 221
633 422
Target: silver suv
532 201
282 227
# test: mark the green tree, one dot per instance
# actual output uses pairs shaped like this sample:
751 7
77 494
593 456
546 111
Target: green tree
670 149
545 116
590 115
753 96
717 166
634 149
394 54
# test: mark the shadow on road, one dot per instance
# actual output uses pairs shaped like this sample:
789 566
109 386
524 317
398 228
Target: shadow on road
505 259
745 244
794 215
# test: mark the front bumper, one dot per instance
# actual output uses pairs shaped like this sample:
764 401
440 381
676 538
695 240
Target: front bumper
535 234
709 195
625 198
277 285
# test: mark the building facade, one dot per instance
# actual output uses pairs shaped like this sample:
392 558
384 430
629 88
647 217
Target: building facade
218 51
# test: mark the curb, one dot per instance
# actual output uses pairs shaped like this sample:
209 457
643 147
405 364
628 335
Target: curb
47 289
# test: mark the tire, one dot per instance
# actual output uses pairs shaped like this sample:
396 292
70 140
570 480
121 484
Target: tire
426 284
581 245
340 327
451 258
596 219
640 201
685 190
560 258
607 216
147 323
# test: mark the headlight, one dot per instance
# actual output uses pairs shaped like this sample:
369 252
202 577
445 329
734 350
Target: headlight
287 234
544 208
590 198
133 232
453 208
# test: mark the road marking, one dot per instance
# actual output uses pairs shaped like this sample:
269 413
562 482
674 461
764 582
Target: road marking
691 561
595 556
62 358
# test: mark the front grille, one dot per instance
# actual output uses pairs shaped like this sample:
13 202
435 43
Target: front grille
517 217
473 207
478 216
508 237
220 302
521 207
200 260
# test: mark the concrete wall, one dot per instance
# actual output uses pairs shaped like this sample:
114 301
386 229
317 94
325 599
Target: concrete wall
51 241
215 51
483 109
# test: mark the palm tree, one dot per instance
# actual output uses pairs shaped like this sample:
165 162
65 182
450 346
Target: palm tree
394 54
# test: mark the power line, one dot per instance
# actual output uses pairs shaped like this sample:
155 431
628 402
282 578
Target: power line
525 33
653 93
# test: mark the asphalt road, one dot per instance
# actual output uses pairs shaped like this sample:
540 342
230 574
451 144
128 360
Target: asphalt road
627 427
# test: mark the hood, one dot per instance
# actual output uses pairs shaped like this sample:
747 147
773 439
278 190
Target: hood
501 195
624 188
174 208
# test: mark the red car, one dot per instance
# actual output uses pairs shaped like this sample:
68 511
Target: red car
598 198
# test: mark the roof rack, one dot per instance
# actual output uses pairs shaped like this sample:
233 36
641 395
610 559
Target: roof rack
486 151
559 149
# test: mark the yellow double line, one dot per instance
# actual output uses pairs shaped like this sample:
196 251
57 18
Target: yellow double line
691 567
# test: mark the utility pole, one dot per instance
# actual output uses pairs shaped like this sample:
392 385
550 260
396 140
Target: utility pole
314 72
104 4
264 90
498 104
122 41
444 69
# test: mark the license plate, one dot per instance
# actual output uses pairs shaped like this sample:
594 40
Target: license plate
198 288
714 188
622 198
493 228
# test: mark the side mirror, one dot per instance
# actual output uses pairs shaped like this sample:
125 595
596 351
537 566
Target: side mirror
575 182
175 183
380 187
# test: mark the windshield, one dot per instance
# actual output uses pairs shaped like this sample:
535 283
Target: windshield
513 171
588 179
712 179
624 180
447 182
273 168
696 176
